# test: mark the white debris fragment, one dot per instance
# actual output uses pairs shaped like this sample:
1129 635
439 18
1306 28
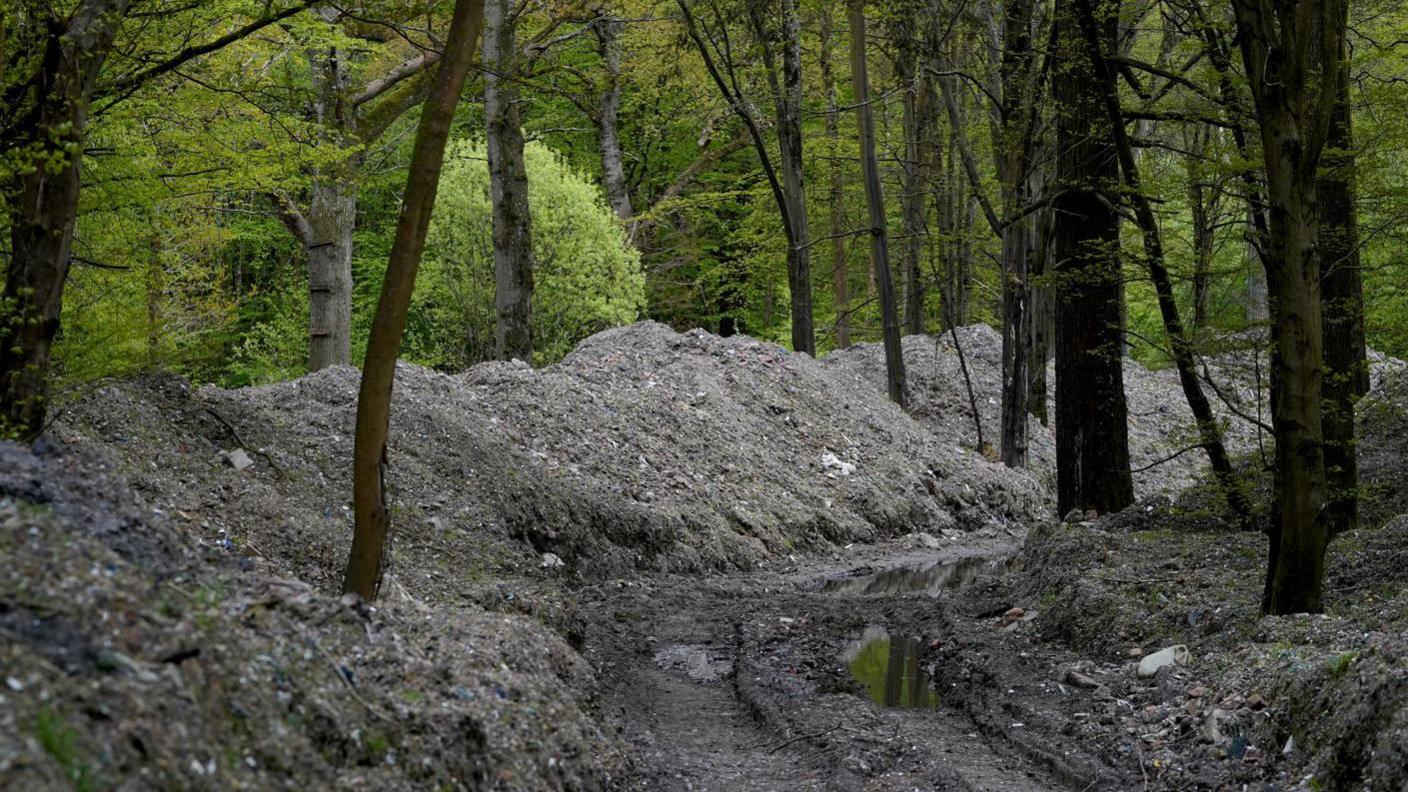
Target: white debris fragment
834 464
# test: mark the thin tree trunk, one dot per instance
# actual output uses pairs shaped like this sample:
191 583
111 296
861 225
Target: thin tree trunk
914 191
508 180
879 252
373 518
1092 442
787 101
1346 365
1041 311
835 193
44 208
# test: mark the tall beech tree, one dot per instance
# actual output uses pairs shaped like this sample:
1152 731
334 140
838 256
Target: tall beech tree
1092 425
366 561
716 48
1342 285
508 180
1292 51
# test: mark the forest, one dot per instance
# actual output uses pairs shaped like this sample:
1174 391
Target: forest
704 394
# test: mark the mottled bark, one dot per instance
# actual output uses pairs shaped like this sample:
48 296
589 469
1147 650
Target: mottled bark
613 169
508 186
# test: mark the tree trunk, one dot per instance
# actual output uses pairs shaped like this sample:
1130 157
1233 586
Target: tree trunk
1092 443
875 202
835 194
332 218
508 179
1293 79
613 170
373 519
1346 365
1042 318
1016 331
914 193
44 206
787 101
1208 428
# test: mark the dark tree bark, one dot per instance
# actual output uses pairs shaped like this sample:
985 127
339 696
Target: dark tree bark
508 186
914 185
1291 50
1346 365
1042 312
1209 431
373 518
1092 442
875 201
787 101
721 71
835 193
44 200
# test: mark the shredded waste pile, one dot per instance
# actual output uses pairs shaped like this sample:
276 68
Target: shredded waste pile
1161 427
643 449
133 657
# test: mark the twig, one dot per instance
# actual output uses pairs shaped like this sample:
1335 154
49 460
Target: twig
236 435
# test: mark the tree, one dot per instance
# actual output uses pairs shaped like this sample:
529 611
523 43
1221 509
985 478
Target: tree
369 462
1292 53
586 275
52 78
1092 442
352 111
513 238
1342 284
875 201
1209 431
716 50
835 193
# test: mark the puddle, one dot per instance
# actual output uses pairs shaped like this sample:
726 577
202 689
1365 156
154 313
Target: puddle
925 577
888 666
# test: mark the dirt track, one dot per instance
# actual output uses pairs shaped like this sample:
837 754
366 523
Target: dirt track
739 683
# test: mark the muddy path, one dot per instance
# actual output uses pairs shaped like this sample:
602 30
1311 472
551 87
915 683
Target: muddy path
900 674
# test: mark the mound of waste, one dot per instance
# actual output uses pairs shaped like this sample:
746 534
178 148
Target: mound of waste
644 448
135 658
1161 427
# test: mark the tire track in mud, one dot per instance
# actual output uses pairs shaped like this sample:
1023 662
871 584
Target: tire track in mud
731 683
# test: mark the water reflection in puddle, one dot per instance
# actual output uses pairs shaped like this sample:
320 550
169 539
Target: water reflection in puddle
929 577
889 668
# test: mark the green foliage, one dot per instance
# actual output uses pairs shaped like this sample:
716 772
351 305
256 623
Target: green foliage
587 277
60 741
